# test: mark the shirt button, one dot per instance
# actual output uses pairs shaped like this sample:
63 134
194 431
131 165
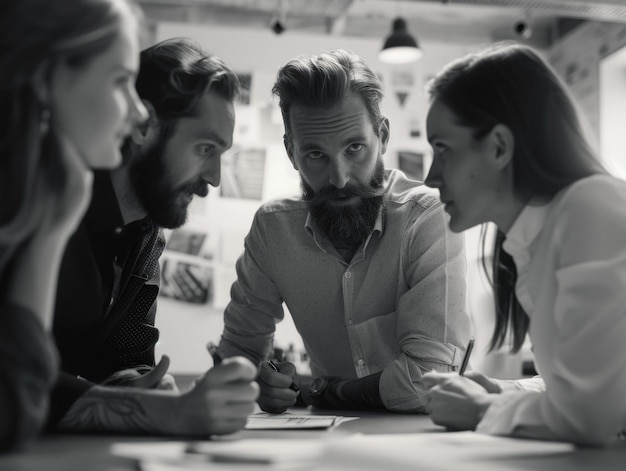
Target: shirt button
118 231
348 274
350 321
360 362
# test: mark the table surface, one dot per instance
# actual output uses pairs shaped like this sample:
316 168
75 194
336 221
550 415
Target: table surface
72 452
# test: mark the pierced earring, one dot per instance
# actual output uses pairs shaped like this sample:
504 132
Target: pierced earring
44 122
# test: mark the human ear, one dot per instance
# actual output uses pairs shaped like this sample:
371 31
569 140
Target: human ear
383 132
41 84
289 148
504 142
142 133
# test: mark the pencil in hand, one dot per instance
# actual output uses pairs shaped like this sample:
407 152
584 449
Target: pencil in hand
466 357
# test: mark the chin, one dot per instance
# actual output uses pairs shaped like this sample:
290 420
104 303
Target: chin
457 225
108 159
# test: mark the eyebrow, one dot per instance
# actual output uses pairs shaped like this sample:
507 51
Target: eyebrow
208 134
345 142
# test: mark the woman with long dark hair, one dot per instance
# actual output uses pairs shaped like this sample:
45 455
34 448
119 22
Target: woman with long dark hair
510 149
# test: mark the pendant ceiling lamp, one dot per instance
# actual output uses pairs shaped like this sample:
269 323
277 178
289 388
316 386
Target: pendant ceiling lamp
400 47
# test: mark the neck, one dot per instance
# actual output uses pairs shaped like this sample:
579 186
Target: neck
130 206
508 211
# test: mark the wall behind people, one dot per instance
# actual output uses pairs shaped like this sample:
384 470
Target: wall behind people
258 169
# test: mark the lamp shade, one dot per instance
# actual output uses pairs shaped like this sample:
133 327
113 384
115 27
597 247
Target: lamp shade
400 47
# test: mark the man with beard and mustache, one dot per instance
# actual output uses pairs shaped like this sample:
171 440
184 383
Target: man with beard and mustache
363 260
109 280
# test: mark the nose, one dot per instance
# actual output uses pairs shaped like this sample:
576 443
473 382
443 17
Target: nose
339 172
138 112
212 170
433 179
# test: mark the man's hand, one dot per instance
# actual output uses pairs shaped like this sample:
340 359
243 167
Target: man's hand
454 401
276 395
156 378
220 401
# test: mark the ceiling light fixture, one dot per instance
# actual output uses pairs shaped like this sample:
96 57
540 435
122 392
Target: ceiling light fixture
400 47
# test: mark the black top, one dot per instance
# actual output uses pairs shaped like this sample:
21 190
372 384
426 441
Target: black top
28 368
106 298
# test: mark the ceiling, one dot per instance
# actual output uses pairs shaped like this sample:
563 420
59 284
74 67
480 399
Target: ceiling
429 20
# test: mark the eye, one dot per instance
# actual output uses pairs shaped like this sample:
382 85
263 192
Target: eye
123 80
439 148
205 150
353 148
315 155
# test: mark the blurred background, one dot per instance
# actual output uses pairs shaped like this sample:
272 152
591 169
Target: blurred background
583 40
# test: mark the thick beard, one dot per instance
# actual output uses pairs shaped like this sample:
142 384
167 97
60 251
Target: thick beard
149 176
349 224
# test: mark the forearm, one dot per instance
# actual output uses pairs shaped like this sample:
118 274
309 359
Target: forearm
122 410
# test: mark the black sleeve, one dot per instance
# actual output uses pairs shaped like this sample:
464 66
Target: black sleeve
28 369
362 393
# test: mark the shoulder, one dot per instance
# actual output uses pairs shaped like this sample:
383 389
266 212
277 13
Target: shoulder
588 219
598 196
291 204
401 190
277 212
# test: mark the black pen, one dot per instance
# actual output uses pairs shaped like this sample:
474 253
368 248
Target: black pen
293 386
215 354
466 358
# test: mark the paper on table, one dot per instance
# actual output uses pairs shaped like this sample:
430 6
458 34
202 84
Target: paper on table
237 454
264 421
443 451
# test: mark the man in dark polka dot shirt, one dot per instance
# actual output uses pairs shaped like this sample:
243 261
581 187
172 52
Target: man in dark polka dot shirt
109 281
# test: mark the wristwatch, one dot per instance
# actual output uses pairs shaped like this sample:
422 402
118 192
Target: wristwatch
318 387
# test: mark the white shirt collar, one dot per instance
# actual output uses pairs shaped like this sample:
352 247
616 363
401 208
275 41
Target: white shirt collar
525 228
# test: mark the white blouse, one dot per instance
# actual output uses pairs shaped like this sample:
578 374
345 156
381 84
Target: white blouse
571 260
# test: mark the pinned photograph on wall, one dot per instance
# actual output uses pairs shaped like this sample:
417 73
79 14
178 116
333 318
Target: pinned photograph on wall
186 280
412 164
243 173
245 79
403 82
199 243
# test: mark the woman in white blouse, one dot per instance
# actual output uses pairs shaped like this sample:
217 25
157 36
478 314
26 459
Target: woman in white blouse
509 148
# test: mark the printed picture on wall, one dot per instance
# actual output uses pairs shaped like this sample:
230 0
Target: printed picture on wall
186 280
245 79
191 242
412 164
243 173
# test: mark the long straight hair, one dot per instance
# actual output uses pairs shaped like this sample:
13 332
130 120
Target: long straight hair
511 84
35 35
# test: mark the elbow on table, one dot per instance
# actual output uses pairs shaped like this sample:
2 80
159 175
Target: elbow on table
589 429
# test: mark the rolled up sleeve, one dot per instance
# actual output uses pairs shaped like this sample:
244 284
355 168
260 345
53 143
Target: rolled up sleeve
433 324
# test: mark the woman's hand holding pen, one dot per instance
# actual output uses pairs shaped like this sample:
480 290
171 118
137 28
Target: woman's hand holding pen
278 389
454 401
492 386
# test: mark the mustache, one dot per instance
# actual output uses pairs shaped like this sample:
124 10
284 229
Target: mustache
373 190
199 188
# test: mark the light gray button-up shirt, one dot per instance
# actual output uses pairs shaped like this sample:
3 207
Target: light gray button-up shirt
398 307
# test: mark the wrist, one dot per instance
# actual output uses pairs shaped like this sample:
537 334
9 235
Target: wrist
324 392
483 406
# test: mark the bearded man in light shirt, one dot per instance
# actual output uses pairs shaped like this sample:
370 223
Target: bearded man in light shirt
363 259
